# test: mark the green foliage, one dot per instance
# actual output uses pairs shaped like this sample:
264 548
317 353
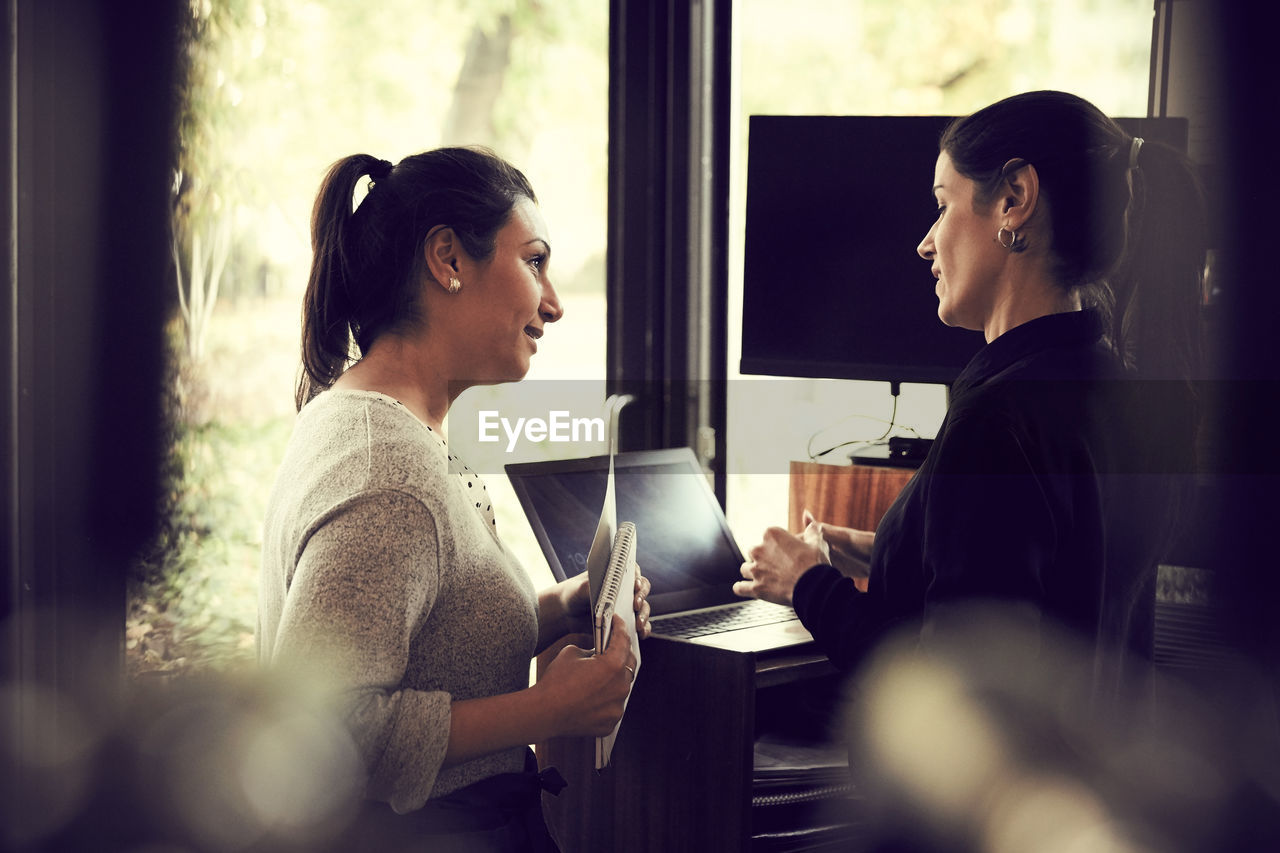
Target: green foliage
194 593
921 57
205 579
225 62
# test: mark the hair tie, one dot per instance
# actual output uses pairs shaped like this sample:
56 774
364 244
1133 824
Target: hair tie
379 170
1133 152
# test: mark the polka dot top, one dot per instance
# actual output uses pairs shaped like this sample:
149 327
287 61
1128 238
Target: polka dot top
477 491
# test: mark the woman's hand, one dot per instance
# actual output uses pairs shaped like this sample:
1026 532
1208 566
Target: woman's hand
572 598
563 609
773 567
576 594
586 693
577 694
847 549
641 604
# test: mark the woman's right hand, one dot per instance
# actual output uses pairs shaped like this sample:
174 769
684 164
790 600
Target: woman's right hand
587 693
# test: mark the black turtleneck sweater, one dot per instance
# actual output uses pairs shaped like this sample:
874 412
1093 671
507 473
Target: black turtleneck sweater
1042 488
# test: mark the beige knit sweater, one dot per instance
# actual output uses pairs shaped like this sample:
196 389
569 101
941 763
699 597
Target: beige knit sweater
382 569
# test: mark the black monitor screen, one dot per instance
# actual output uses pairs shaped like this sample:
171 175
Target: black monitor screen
832 284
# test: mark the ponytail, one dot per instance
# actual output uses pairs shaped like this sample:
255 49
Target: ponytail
1156 323
1158 287
327 305
366 269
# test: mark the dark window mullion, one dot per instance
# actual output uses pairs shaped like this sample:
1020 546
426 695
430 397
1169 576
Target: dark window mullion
660 345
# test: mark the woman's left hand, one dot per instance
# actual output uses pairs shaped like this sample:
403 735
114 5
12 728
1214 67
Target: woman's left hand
576 594
643 629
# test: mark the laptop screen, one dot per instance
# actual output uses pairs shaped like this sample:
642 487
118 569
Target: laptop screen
683 542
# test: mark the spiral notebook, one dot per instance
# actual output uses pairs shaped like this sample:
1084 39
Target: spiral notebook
615 597
611 570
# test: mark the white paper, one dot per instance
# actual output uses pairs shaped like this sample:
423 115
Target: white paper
598 566
607 528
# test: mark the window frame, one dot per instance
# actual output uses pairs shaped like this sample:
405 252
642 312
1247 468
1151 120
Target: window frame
667 255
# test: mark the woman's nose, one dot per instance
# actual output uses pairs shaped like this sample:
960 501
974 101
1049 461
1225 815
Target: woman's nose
550 310
925 249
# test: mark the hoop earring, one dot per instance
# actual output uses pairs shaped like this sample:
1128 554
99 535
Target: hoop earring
1013 237
454 284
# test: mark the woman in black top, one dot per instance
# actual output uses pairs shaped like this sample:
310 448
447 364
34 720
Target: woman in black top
1054 480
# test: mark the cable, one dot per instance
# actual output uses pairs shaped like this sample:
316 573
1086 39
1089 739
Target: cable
892 424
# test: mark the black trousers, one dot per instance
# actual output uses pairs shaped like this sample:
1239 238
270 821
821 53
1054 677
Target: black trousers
501 814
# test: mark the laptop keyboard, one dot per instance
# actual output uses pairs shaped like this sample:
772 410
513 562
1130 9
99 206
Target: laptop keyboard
748 614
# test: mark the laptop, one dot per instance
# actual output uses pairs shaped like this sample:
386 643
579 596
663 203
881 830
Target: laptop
684 545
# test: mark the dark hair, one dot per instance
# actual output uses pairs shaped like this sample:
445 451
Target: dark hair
1132 240
367 263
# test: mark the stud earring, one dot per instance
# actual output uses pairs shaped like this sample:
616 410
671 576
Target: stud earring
454 284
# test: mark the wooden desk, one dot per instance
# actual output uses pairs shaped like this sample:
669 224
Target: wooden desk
681 774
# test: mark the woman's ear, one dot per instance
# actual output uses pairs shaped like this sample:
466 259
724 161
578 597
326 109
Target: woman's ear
1021 193
440 253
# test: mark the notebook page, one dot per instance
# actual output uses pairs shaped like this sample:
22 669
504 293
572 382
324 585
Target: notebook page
607 528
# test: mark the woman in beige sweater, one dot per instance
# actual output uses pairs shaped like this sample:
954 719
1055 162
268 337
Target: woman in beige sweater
382 566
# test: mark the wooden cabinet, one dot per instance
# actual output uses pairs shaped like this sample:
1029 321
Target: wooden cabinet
848 495
681 775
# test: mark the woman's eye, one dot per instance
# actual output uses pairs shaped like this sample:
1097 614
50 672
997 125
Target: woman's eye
538 261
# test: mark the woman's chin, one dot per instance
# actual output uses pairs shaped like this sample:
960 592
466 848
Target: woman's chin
950 317
515 374
945 314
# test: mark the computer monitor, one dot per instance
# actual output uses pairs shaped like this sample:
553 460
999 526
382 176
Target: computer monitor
832 285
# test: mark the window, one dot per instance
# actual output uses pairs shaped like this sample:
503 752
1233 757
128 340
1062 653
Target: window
277 90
